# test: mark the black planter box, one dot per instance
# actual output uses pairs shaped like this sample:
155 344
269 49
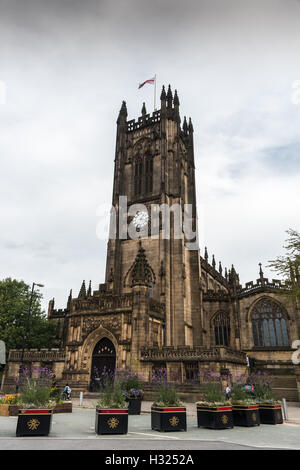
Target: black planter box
168 418
34 422
111 421
217 417
270 414
134 406
245 415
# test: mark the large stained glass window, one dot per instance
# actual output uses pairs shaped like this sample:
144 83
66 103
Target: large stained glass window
269 324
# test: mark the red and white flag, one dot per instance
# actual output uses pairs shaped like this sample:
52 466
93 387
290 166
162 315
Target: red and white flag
151 80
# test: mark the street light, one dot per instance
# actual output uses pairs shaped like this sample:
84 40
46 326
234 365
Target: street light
26 329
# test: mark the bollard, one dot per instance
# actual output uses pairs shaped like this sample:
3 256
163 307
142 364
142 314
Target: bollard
80 398
285 415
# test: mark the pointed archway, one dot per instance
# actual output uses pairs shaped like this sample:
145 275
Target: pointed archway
103 360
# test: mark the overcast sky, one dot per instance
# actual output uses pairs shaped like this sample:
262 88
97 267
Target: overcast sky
67 66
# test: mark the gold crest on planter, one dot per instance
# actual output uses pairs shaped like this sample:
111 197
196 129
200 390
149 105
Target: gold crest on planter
113 423
224 419
33 424
174 421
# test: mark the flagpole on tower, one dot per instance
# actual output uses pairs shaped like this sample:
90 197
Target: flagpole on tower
155 92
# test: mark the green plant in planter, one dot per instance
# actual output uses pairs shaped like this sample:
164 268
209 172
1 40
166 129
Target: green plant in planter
212 389
111 408
269 408
167 411
239 394
36 389
35 414
213 410
262 387
111 393
13 399
166 389
130 383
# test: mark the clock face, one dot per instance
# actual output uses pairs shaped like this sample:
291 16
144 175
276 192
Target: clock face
140 219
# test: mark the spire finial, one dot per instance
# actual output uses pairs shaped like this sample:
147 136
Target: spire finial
89 292
213 262
69 300
82 292
191 129
169 97
220 268
176 99
185 126
123 113
261 274
206 255
163 95
144 112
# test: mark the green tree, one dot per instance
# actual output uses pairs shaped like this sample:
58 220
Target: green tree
288 265
14 304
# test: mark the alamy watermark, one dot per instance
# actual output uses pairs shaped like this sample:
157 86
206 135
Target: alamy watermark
296 354
139 221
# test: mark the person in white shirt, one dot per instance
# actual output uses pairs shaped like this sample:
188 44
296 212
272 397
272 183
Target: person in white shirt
227 392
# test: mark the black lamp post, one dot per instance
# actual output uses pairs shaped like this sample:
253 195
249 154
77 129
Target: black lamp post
26 330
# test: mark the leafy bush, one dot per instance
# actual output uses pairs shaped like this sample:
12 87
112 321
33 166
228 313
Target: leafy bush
13 399
239 393
212 388
111 392
262 385
130 383
55 394
36 392
166 390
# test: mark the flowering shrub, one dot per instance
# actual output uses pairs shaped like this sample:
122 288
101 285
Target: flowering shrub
131 383
133 393
10 400
212 388
239 394
36 391
262 386
111 392
166 388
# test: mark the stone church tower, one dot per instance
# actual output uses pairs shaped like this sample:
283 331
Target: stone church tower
154 166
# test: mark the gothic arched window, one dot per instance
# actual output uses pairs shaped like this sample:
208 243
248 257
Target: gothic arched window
221 327
269 324
138 176
148 175
150 288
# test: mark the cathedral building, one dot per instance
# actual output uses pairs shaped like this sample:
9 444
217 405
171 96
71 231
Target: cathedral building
163 303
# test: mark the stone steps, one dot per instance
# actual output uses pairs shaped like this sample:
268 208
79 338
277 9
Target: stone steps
285 387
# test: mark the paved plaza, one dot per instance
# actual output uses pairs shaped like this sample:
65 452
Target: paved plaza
76 431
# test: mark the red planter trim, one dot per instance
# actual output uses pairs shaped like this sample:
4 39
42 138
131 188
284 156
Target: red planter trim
173 409
113 411
35 412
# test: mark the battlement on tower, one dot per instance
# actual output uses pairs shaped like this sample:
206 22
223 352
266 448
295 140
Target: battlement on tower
143 121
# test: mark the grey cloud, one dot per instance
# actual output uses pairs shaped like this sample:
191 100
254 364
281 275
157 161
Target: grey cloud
283 159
